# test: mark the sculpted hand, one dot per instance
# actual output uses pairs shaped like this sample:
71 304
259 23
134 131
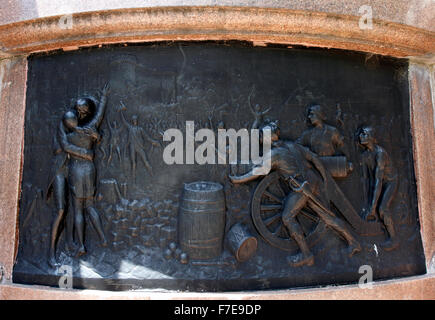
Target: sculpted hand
106 89
369 214
122 106
88 130
91 132
89 155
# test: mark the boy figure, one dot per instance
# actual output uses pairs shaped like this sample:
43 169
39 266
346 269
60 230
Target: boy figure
382 177
322 139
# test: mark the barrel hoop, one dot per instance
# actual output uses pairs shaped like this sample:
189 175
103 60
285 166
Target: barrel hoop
203 201
202 211
200 247
204 241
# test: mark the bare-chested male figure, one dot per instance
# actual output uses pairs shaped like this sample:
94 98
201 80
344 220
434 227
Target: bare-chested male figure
382 177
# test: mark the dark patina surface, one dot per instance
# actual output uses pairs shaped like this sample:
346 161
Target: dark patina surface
141 223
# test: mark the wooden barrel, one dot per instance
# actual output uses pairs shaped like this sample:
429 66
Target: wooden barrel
202 220
241 242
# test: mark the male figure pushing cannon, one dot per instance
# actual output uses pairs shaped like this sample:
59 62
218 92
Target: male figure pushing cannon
306 176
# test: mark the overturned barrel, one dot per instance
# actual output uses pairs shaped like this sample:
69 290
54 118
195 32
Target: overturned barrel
241 242
201 223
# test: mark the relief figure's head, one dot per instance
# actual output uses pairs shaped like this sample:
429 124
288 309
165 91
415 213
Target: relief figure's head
316 115
274 130
70 120
83 108
134 120
221 125
366 136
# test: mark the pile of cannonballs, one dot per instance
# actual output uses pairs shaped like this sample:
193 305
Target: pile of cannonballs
174 252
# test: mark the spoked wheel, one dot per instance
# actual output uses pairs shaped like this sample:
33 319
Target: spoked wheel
266 211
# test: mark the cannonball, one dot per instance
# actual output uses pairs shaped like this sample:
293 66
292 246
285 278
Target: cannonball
173 246
183 258
178 253
168 254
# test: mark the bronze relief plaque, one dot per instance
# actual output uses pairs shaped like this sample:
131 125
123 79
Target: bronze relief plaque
135 174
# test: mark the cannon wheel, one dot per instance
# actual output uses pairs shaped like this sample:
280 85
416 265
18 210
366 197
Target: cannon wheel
266 211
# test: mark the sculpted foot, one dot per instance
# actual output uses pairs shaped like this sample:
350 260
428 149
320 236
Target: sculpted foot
354 248
81 251
301 259
52 262
70 248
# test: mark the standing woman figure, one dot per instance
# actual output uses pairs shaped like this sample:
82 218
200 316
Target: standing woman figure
81 172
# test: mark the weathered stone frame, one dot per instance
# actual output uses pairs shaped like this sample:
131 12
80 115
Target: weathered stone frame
260 26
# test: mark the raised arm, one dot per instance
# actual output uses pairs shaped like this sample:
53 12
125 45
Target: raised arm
210 122
266 111
250 103
71 148
99 114
123 119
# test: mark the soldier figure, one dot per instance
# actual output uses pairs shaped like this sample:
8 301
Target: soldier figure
300 167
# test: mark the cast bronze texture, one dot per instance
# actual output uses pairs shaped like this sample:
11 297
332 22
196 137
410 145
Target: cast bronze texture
97 195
